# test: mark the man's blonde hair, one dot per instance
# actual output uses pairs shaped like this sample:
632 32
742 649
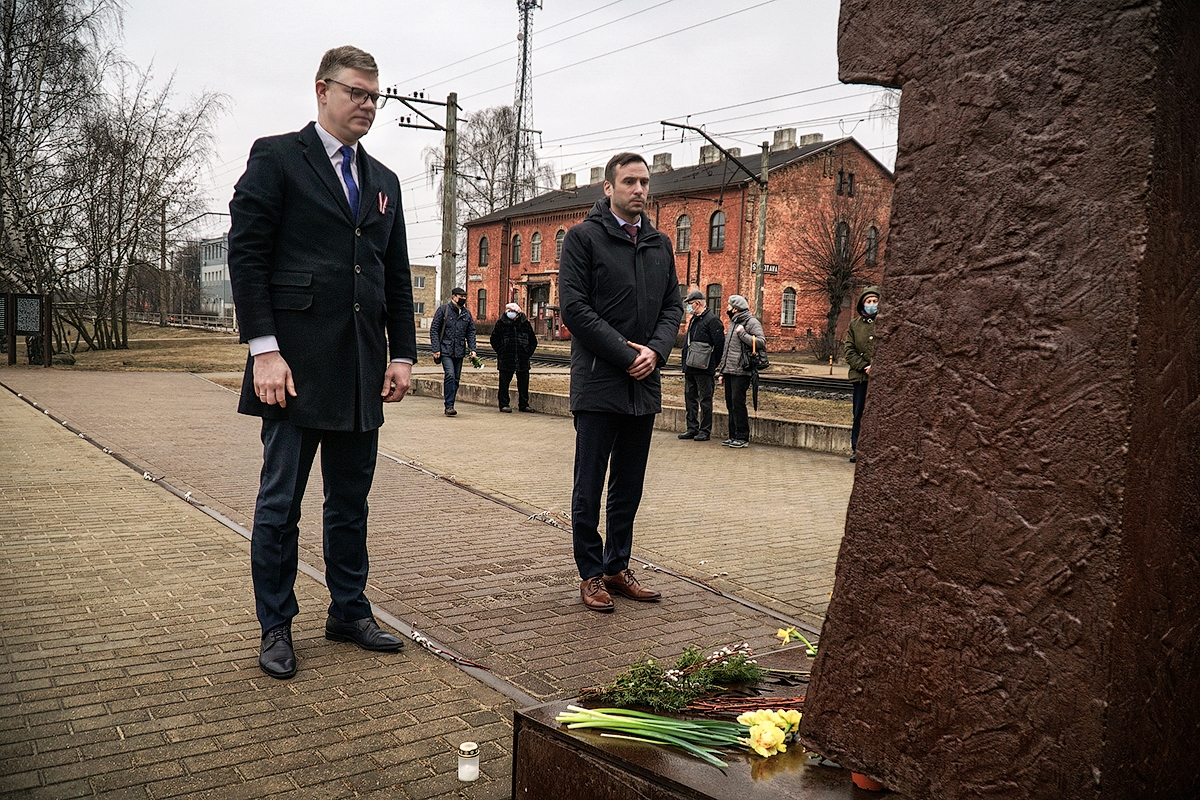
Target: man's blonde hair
346 57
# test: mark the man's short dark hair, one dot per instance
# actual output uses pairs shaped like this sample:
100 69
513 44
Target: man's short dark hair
346 57
620 160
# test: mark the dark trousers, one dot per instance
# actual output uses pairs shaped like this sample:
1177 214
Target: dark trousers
619 445
859 403
347 467
735 405
698 399
452 374
522 387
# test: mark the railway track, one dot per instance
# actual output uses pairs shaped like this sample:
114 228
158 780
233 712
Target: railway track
780 382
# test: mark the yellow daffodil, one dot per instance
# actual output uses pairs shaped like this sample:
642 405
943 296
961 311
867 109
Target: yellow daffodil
766 740
785 635
791 716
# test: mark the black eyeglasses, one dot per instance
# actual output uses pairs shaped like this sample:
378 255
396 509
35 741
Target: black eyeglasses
359 96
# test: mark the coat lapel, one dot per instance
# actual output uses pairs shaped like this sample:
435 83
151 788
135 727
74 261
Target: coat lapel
318 159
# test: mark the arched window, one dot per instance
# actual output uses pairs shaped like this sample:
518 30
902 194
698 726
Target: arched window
683 234
558 240
516 249
872 246
788 316
483 252
535 248
842 243
716 231
713 298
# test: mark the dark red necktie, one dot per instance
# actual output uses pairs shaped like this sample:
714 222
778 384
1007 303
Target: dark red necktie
632 230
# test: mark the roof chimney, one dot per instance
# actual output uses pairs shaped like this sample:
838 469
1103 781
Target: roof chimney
811 138
597 176
568 181
785 139
736 152
709 154
662 163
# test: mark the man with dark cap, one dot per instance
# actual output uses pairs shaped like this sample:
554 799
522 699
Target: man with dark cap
620 299
452 337
702 349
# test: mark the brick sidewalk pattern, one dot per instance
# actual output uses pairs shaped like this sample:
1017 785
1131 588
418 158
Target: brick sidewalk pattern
473 574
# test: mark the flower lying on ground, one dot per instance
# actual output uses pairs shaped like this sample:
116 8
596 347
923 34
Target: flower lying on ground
765 732
787 634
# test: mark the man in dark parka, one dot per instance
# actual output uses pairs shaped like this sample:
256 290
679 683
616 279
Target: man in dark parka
620 298
700 382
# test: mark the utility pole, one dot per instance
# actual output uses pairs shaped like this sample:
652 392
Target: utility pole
760 251
449 262
162 271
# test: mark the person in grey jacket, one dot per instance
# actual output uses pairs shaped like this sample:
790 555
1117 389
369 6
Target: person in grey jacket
743 330
619 296
452 337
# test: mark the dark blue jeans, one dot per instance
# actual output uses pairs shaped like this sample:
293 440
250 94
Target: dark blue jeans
619 445
859 402
452 370
347 467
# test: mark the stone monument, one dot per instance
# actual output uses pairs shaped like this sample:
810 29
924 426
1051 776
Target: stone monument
1016 611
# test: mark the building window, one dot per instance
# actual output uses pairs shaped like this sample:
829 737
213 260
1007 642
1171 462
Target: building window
481 305
483 252
842 243
788 317
713 299
419 307
516 249
418 281
841 181
683 234
850 189
535 248
872 256
558 240
716 231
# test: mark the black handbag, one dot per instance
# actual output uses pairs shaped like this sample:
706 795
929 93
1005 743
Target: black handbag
756 360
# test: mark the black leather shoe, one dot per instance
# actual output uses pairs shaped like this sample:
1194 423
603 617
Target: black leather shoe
363 632
277 658
688 435
527 410
701 437
506 409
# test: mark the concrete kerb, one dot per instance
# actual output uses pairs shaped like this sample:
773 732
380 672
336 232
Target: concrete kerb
815 436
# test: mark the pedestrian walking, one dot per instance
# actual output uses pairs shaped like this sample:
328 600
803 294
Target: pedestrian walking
702 349
514 342
319 267
452 337
860 344
744 332
620 298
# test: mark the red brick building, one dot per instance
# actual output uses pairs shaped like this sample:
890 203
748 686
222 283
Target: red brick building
710 212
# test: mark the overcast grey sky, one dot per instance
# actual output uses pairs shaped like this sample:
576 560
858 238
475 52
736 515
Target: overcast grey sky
605 72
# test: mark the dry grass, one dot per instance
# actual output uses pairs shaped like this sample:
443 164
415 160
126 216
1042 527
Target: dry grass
184 350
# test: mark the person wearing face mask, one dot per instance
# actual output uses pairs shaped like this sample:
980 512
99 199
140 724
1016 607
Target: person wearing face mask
514 342
860 342
744 330
699 381
452 336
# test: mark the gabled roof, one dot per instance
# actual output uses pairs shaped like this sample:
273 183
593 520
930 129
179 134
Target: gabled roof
683 180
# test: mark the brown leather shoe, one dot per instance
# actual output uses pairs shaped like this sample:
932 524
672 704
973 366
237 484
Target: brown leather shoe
594 595
627 584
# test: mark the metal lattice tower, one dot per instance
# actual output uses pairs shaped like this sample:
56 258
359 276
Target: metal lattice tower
524 160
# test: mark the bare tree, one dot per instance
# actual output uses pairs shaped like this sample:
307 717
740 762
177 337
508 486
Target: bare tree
839 249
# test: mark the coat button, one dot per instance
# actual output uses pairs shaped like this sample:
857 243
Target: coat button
356 307
357 268
358 231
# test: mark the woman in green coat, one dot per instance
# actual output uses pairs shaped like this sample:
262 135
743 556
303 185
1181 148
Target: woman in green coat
860 341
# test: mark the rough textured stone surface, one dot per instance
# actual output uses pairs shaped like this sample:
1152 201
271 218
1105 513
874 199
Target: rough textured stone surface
1015 605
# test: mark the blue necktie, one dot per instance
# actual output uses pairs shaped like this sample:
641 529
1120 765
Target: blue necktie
351 187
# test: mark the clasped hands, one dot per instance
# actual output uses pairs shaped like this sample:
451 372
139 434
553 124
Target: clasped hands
273 380
645 363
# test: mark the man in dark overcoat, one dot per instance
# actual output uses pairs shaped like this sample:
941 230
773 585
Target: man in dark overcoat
619 296
319 267
699 382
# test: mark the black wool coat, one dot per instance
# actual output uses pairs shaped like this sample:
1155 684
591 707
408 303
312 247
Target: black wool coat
612 292
334 290
514 342
705 328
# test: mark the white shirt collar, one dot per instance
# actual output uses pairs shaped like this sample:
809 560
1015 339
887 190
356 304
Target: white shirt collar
623 223
332 145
